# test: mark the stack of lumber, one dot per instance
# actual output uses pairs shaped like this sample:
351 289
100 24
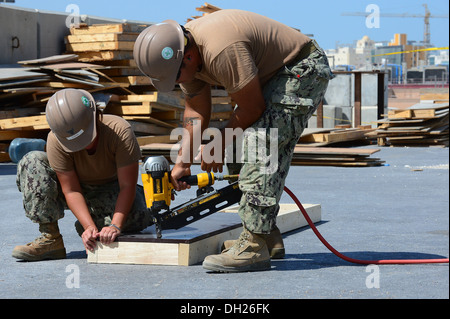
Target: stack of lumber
149 112
25 90
222 108
335 156
110 45
26 87
152 113
99 60
35 78
342 134
423 124
303 155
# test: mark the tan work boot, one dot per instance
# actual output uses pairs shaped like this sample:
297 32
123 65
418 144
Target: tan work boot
249 253
49 245
274 243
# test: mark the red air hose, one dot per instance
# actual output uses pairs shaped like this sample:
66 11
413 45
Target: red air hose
357 261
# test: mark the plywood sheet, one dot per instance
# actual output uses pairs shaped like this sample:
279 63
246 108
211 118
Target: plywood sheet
191 244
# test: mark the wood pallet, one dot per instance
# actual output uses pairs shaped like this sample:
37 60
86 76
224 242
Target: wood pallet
191 244
425 124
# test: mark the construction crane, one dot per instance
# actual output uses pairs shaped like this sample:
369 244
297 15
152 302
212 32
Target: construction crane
426 17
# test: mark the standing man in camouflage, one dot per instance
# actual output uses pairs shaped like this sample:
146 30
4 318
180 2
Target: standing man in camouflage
276 75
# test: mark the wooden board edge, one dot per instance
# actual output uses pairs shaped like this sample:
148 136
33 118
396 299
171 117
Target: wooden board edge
187 254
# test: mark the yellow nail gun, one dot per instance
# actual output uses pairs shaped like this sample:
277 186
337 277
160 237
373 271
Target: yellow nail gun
159 191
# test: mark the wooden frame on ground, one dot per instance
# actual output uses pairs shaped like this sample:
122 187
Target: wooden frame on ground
191 244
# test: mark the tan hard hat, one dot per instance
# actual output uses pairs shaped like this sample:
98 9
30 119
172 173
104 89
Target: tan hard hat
71 115
158 52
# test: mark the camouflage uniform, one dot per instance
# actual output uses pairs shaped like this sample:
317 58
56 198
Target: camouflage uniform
44 201
291 97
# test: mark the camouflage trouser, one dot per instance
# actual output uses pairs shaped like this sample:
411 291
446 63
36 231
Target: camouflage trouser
291 97
44 201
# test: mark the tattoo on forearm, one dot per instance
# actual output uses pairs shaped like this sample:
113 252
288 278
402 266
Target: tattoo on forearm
189 121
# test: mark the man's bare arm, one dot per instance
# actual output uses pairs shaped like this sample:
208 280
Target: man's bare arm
197 114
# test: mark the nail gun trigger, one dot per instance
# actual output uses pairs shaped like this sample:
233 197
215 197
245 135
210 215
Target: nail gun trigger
204 190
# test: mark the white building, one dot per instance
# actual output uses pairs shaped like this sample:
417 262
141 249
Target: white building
358 57
439 57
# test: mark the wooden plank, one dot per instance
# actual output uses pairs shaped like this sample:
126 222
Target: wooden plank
399 114
336 163
51 59
336 137
64 85
104 56
411 113
334 150
107 28
421 125
190 245
38 122
163 98
330 136
101 37
144 108
70 65
132 253
208 8
144 140
101 46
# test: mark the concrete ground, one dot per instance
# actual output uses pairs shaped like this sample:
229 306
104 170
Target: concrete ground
390 212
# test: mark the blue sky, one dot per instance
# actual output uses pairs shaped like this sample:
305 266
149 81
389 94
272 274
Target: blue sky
321 18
